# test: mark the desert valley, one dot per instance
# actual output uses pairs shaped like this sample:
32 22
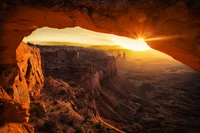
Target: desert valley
97 89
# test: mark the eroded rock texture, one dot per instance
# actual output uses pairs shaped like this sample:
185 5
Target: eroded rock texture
30 76
77 63
14 96
14 115
28 79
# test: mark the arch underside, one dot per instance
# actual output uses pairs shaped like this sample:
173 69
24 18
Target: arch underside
175 23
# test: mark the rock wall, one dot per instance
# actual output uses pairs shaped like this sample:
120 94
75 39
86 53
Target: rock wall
15 98
77 63
108 70
29 79
92 82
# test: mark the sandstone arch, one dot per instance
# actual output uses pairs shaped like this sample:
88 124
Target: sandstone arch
177 21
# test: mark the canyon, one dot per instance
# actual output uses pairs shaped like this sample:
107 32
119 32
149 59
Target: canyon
77 89
21 75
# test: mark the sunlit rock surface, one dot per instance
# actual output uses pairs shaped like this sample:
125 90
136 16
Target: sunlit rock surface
28 81
14 116
16 128
30 70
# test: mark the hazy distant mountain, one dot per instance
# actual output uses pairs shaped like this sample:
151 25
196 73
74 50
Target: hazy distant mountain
55 43
106 47
115 49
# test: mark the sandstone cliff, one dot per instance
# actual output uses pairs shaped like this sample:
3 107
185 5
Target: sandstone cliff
75 85
15 98
76 63
29 80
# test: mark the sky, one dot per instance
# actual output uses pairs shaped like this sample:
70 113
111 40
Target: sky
83 36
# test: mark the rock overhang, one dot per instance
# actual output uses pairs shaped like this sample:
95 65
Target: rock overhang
178 19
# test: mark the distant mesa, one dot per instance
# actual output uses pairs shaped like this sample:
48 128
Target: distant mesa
121 56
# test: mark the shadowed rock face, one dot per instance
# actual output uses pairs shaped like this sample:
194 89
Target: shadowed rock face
77 63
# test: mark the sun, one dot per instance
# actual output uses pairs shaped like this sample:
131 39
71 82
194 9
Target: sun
131 44
136 45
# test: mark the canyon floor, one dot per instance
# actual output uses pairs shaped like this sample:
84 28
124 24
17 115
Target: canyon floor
89 90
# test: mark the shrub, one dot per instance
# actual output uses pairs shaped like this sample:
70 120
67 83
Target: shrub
71 122
49 127
78 130
55 102
98 126
63 118
58 108
108 129
62 92
37 110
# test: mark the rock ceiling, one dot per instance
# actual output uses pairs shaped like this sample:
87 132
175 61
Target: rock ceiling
173 26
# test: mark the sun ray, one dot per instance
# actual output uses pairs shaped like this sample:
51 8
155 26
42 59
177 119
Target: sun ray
161 38
131 44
